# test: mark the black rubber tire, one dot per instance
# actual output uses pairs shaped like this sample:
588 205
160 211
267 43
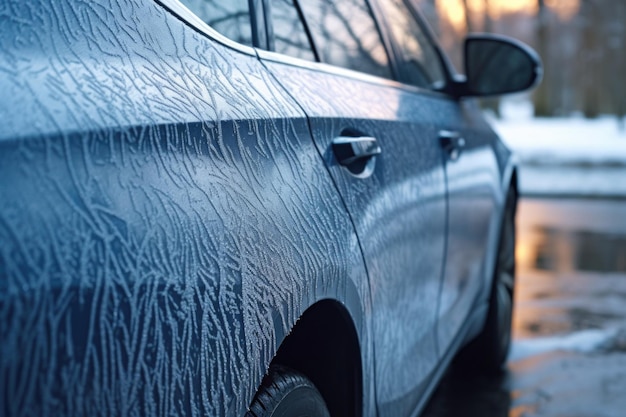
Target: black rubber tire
488 352
287 393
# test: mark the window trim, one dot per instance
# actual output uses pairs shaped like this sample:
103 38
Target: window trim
189 18
335 70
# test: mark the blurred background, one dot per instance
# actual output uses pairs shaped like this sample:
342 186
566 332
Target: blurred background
576 119
569 351
581 43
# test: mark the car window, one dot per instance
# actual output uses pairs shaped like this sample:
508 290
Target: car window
290 36
345 35
418 62
230 18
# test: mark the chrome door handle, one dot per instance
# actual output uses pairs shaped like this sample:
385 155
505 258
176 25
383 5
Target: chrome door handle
357 154
452 143
349 150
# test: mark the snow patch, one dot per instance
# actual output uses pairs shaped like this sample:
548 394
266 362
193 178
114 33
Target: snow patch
571 156
584 341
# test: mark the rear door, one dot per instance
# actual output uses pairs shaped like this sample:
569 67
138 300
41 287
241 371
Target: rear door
394 188
471 169
473 194
474 190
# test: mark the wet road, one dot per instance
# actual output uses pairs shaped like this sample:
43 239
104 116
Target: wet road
568 357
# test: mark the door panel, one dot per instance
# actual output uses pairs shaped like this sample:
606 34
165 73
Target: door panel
165 217
471 171
399 213
473 189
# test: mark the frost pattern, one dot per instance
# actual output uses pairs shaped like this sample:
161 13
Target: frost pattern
403 214
164 216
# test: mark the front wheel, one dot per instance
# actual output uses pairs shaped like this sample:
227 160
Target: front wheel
287 393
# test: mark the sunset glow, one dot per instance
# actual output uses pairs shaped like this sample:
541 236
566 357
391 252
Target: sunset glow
565 8
455 10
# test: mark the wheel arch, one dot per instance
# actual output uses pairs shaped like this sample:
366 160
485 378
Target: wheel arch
324 346
510 180
514 185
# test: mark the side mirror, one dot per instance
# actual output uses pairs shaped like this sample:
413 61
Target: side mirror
496 65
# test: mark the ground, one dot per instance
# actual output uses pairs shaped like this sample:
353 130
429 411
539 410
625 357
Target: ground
569 156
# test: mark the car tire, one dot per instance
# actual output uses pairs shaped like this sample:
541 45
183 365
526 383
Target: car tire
287 393
489 350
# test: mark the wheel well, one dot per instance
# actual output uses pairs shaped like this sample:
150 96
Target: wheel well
324 346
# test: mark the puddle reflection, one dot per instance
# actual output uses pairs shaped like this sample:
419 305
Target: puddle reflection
563 236
571 259
560 250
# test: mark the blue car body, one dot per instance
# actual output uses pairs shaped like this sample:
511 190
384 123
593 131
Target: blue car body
171 212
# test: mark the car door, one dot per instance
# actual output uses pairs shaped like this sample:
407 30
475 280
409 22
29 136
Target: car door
471 170
473 195
394 189
165 216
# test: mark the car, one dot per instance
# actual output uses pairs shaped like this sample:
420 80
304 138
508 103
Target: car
264 207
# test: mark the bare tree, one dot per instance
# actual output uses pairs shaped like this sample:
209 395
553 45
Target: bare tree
544 105
428 9
617 44
487 16
493 103
590 59
469 27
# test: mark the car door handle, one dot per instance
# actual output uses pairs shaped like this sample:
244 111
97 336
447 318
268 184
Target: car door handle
350 150
452 143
